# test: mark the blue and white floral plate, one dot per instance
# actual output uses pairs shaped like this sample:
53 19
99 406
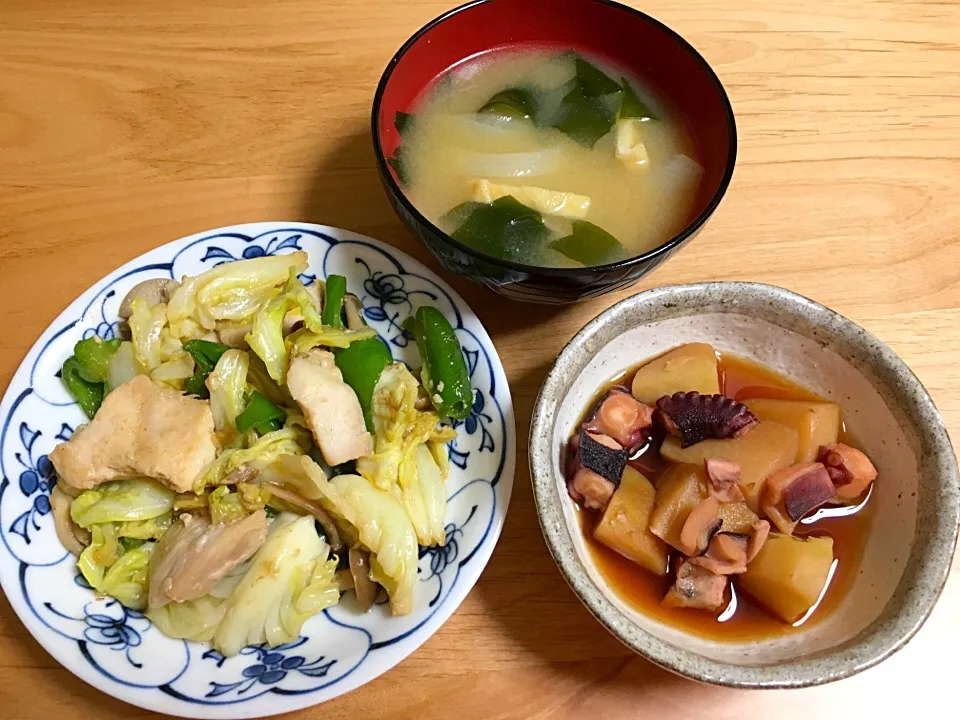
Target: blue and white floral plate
117 650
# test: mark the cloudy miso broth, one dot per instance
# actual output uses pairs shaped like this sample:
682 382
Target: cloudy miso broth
548 158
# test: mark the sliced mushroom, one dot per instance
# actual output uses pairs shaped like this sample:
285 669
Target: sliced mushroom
353 309
344 580
311 508
153 292
363 586
73 537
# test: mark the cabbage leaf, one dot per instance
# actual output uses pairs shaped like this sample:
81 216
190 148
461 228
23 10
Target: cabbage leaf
233 291
227 385
121 501
382 526
266 338
146 326
126 580
289 579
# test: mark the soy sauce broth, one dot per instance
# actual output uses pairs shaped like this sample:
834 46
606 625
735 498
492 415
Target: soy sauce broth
742 619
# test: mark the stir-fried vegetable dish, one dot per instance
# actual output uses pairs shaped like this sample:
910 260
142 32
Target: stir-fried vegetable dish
254 451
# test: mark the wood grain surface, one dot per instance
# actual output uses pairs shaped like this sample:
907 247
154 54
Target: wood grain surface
127 124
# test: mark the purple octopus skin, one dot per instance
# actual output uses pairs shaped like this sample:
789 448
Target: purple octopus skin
694 417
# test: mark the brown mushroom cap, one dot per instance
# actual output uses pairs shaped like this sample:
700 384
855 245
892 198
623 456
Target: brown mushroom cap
153 291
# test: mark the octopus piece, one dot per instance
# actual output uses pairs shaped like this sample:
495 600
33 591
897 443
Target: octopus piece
726 555
700 526
849 469
758 536
602 454
593 490
791 493
722 478
697 587
694 417
622 417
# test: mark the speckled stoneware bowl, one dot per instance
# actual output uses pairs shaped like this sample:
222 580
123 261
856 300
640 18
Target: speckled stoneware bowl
917 494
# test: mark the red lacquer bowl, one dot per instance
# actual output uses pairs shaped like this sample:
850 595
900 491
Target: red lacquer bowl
627 38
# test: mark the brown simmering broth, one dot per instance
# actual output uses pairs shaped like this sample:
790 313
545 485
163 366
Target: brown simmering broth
743 619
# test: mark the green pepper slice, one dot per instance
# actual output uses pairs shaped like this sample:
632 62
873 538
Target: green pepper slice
93 356
444 372
261 415
88 395
206 355
360 365
333 292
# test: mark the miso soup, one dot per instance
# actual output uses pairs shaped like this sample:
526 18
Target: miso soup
547 158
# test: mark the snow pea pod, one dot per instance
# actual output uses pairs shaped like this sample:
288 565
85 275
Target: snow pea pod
444 372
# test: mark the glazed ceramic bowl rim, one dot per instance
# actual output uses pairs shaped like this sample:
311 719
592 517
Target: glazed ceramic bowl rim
931 555
688 231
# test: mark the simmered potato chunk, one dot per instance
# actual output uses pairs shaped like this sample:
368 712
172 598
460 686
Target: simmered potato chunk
625 526
816 423
788 574
766 448
737 518
683 369
680 489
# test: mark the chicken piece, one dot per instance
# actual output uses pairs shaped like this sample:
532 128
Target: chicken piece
194 555
142 430
696 587
330 406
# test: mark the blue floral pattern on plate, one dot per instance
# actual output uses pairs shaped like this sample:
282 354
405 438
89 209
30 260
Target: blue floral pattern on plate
119 650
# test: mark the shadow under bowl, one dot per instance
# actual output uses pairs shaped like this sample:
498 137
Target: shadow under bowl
915 500
620 35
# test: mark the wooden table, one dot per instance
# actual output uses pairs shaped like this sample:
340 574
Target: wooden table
127 124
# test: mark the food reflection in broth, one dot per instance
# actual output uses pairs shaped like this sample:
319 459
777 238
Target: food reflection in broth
677 543
547 158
